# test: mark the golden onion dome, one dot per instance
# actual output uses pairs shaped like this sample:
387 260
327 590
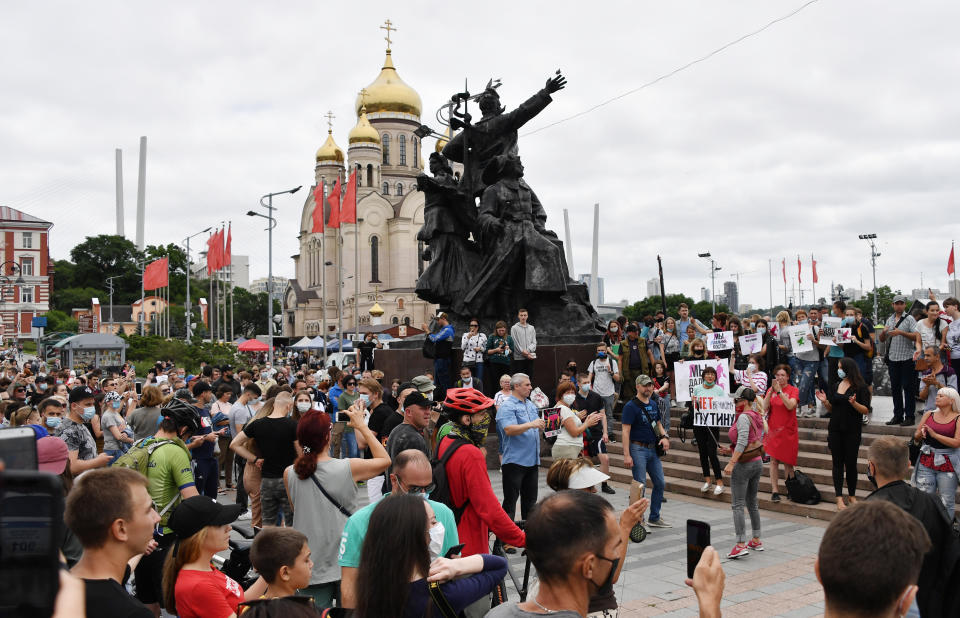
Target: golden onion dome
364 131
389 93
376 310
330 152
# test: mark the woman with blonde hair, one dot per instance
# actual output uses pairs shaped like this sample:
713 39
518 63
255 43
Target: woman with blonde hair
937 467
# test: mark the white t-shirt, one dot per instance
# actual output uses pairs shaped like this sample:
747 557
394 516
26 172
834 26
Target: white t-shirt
499 398
603 371
928 334
564 438
953 339
468 343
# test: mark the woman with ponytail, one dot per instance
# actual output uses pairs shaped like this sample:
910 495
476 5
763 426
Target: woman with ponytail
323 493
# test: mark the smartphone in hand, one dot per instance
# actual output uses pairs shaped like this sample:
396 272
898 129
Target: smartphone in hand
698 538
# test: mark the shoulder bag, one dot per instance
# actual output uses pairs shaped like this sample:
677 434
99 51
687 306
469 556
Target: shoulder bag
886 354
339 506
440 600
660 450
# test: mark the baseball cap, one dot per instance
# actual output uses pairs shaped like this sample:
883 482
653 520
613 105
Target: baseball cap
643 380
899 298
746 393
416 399
52 455
185 395
423 384
587 476
197 512
80 393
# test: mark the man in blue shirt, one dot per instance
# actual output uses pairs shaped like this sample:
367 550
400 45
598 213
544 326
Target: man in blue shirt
443 354
520 424
685 320
642 426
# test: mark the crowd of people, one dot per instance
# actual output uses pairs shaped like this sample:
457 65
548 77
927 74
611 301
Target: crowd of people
297 445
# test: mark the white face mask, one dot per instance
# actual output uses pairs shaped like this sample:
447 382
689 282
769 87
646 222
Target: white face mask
303 406
614 329
569 398
436 539
761 330
752 367
466 380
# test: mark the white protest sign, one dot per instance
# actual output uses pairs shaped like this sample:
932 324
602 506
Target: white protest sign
844 335
800 338
689 375
751 344
828 328
719 341
713 411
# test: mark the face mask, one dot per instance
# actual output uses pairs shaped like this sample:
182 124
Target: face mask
847 321
357 376
601 355
89 413
303 406
871 478
613 570
436 538
804 321
584 388
428 396
841 373
53 422
467 380
761 330
478 430
366 399
752 367
698 352
572 367
614 329
569 398
41 387
708 383
116 405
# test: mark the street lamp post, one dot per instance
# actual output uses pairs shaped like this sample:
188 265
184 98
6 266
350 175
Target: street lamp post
713 270
19 282
272 224
187 313
873 263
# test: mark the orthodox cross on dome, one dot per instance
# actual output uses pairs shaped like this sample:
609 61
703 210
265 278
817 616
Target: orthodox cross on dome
363 97
388 26
330 116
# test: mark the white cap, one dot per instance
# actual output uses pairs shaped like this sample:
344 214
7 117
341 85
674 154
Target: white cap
585 477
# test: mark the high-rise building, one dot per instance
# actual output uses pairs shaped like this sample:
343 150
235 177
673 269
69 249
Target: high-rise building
731 294
585 279
237 272
653 287
705 294
259 286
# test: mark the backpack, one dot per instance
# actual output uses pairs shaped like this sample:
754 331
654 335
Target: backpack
800 489
429 347
441 491
138 458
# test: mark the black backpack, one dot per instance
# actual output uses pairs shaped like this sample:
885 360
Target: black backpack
800 489
441 490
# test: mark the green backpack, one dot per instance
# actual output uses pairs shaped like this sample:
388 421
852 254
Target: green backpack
138 458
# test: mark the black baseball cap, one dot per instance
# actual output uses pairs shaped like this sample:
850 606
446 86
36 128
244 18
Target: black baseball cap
79 393
416 398
197 512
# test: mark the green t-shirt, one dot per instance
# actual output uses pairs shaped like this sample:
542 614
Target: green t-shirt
344 401
351 543
168 472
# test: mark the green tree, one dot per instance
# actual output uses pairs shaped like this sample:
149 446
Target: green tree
703 311
250 313
884 303
98 257
60 321
652 304
64 274
70 298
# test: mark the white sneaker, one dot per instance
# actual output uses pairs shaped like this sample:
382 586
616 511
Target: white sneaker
705 488
718 490
245 515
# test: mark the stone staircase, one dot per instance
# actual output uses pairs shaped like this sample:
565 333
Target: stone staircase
683 475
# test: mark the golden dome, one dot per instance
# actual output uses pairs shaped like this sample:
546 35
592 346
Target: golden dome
364 131
389 93
330 151
376 310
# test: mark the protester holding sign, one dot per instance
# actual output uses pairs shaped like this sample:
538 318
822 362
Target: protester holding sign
707 437
783 441
752 377
805 360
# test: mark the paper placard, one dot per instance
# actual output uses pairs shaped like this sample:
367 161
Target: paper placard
162 378
551 420
844 335
800 338
828 329
713 411
750 344
717 342
689 375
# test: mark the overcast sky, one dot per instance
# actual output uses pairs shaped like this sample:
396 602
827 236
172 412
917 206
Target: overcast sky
842 120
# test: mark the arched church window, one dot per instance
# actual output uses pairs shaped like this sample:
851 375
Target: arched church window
400 304
406 320
374 259
416 152
402 140
395 320
399 189
369 174
386 188
385 142
359 175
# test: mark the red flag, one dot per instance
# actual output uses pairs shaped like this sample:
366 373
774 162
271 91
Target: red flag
951 265
210 258
348 209
155 275
784 264
215 256
799 266
334 201
317 209
815 278
228 252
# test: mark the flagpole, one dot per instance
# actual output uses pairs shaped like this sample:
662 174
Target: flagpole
770 279
813 281
784 264
356 272
323 272
955 292
210 326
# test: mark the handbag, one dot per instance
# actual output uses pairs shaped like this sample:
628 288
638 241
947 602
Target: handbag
429 347
329 497
441 601
660 450
914 448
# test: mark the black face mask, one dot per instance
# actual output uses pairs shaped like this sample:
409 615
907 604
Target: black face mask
613 571
871 478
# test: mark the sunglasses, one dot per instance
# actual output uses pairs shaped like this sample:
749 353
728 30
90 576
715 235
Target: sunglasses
474 326
421 489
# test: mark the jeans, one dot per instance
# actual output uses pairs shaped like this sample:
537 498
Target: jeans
349 445
807 370
745 483
441 377
115 453
273 501
240 465
823 372
207 472
936 482
645 461
665 417
519 481
794 363
524 365
608 402
904 385
226 459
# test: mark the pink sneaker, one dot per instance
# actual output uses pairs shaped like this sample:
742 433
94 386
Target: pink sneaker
755 545
738 550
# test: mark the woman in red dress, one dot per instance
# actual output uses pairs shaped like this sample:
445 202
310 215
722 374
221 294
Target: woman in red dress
783 440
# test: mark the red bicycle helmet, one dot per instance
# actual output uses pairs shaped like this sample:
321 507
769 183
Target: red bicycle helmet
466 401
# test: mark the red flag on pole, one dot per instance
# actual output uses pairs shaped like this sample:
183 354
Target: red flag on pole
210 253
216 251
317 209
348 209
799 266
784 265
155 275
228 252
951 265
815 278
334 201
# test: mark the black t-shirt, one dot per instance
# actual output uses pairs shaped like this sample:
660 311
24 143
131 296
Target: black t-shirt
106 597
275 438
366 348
391 421
591 403
378 418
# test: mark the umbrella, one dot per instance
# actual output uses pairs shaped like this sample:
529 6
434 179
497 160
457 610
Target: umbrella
253 345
